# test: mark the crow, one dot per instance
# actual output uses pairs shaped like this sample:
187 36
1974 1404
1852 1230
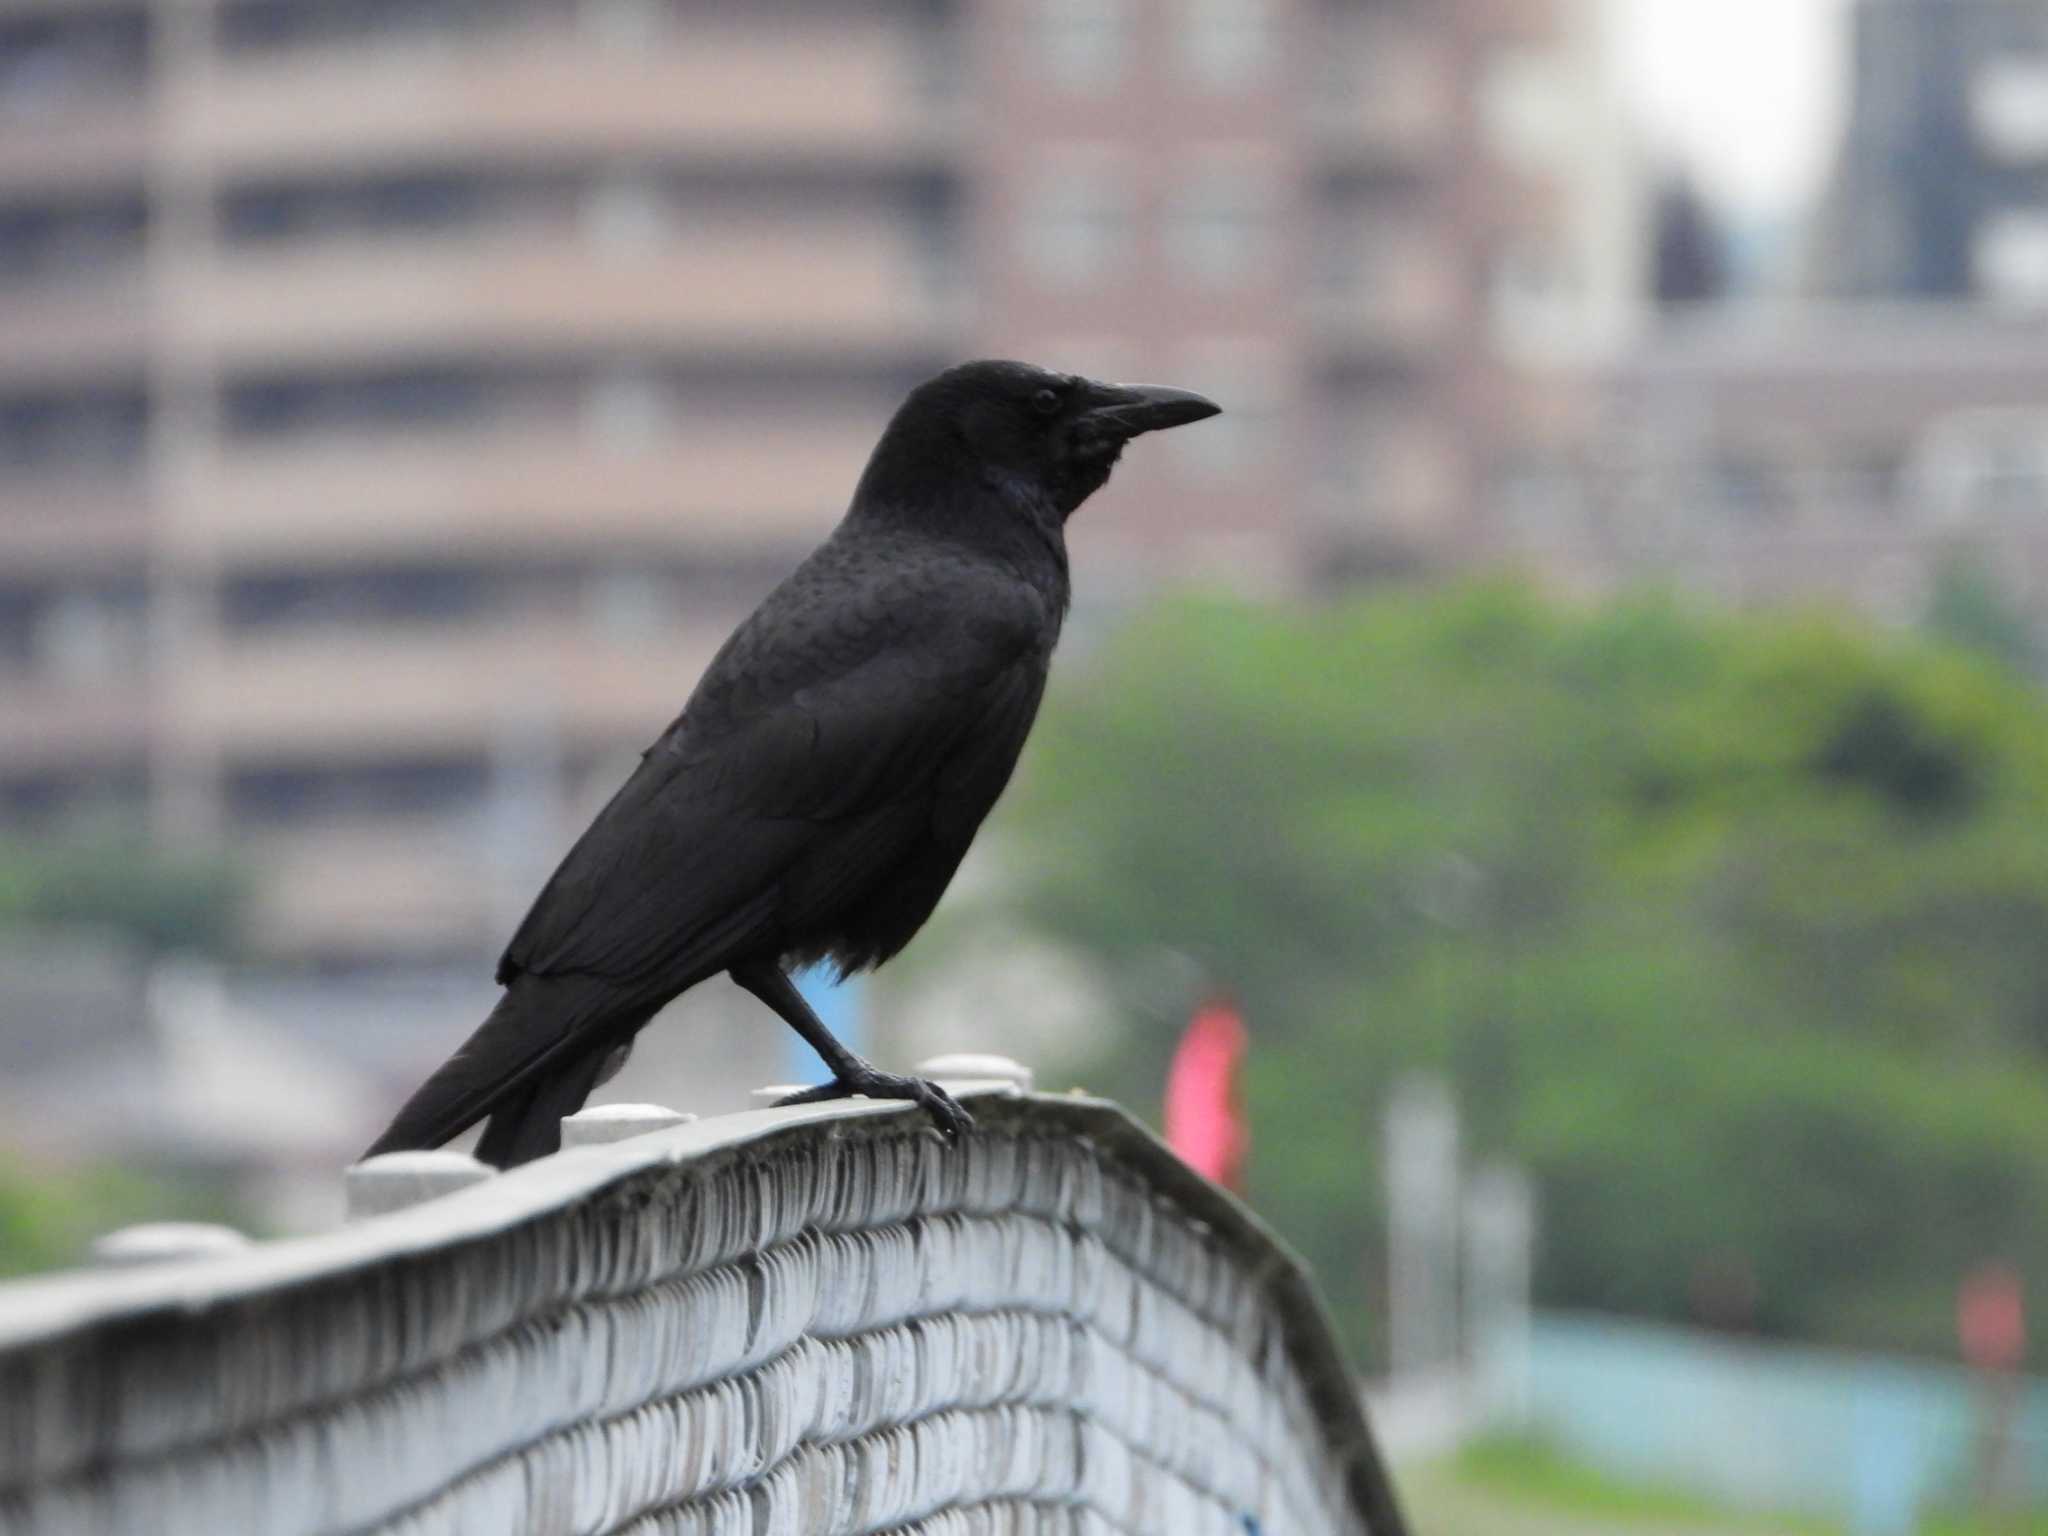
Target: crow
826 776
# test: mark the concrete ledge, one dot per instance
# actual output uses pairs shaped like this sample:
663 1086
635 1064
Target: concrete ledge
461 1349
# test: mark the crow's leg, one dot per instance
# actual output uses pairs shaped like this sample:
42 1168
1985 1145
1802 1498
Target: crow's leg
851 1076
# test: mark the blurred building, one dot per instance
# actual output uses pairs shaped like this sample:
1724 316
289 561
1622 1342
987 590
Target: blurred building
400 398
1845 453
1942 186
113 1058
1854 447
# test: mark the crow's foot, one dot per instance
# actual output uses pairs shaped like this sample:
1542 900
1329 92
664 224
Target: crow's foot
868 1083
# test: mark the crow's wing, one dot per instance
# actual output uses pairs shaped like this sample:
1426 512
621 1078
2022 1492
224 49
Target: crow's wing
840 705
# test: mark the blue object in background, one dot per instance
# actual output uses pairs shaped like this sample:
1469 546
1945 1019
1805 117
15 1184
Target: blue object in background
1871 1441
842 1005
1890 1475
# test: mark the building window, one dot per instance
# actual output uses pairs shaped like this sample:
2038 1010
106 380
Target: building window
48 64
1225 45
428 398
90 637
416 203
72 434
1077 228
1219 226
2009 108
2012 260
256 25
60 242
281 795
265 212
109 795
402 594
411 204
1085 44
1746 491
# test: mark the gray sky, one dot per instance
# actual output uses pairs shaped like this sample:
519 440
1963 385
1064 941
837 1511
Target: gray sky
1747 92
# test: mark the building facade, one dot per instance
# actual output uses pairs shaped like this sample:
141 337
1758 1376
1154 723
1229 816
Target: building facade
1858 445
400 398
1941 190
1850 455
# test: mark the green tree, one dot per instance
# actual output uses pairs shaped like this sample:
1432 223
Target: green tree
111 881
117 881
48 1217
1970 609
1734 931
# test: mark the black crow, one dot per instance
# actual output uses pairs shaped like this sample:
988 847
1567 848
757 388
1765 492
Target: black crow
824 780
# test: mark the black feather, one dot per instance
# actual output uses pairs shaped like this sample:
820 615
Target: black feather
829 771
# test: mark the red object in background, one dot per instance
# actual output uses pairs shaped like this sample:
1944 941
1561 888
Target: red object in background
1204 1118
1991 1316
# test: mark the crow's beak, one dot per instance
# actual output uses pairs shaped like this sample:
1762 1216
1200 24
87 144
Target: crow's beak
1129 409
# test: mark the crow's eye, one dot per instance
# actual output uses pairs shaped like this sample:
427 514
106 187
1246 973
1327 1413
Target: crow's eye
1046 402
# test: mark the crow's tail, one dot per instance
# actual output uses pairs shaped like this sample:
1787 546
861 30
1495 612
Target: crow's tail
535 1059
528 1124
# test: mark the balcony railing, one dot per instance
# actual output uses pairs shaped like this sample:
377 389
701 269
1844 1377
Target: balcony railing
855 291
92 140
419 687
550 487
48 523
58 724
87 325
847 95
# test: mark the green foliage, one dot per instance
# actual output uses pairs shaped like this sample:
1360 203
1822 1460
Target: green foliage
1734 930
120 883
1512 1486
1970 609
1518 1487
48 1218
1532 1472
2012 1523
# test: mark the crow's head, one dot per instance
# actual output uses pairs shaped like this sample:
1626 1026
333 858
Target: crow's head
1053 436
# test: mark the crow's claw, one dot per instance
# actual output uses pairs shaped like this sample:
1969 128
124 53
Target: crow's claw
867 1083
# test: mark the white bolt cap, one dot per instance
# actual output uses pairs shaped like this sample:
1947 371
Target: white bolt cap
158 1241
604 1123
398 1180
971 1066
